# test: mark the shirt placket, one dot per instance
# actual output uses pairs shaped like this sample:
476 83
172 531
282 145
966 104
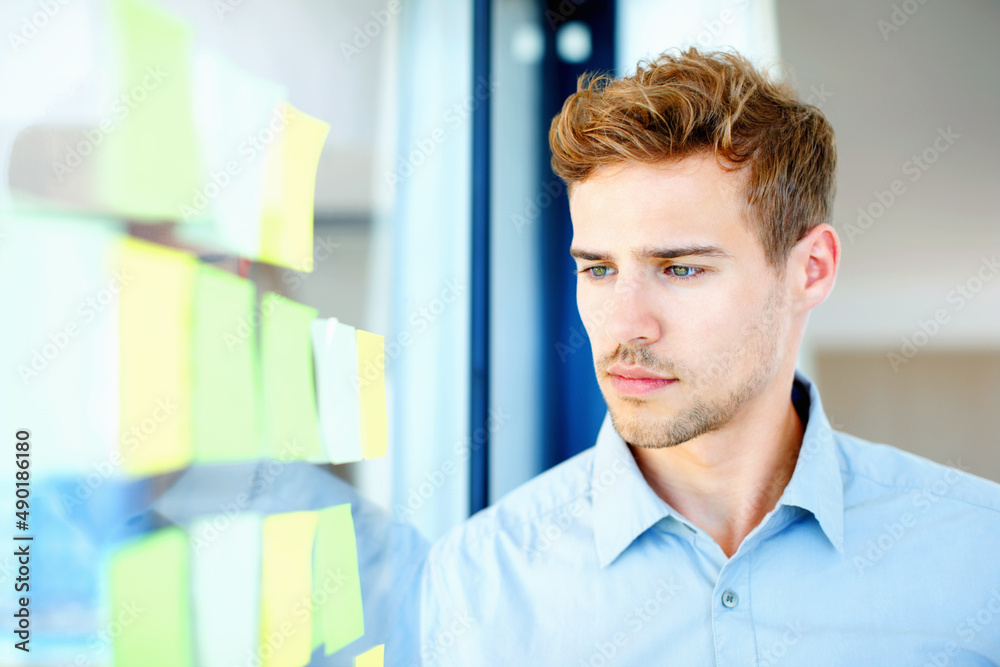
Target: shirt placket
732 621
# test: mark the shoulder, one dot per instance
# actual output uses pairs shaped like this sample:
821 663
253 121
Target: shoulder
530 504
484 569
873 469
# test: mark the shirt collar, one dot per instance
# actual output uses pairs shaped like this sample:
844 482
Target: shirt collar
625 506
816 484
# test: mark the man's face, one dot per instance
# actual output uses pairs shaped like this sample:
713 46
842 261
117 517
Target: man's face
710 324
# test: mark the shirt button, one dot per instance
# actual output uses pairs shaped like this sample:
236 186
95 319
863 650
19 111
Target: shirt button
730 599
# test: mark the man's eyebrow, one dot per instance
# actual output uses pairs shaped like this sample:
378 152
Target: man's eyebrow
650 252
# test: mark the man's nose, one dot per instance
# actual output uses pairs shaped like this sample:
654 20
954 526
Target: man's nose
632 317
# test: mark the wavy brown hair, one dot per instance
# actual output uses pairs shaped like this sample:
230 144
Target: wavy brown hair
681 104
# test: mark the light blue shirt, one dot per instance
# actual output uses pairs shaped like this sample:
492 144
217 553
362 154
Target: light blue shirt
872 556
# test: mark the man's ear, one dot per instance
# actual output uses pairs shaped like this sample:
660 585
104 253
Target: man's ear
815 259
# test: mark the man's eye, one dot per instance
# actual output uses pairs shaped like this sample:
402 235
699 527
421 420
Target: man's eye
596 271
684 271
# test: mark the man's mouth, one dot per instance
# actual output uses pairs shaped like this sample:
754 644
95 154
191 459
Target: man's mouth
636 380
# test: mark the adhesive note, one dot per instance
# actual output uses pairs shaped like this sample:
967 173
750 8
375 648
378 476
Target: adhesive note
371 380
155 359
149 162
225 588
335 350
373 658
149 580
291 427
62 346
335 573
236 114
290 189
224 372
286 589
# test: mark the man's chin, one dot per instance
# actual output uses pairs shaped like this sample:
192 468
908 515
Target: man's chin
636 426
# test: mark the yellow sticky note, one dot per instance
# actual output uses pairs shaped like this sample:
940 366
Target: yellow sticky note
149 585
373 658
155 359
290 189
149 160
336 579
371 379
286 589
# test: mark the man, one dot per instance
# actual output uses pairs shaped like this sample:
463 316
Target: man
719 519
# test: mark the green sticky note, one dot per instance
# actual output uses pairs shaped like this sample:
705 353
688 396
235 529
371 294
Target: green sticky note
224 370
336 581
149 163
149 582
289 395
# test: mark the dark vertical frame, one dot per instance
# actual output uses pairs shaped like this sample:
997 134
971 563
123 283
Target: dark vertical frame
574 406
479 388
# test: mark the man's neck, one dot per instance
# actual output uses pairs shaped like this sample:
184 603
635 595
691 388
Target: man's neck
725 482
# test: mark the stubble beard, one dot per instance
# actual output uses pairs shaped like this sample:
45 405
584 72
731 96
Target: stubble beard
639 428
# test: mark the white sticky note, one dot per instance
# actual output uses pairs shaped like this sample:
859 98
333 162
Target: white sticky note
235 115
60 341
336 358
225 588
